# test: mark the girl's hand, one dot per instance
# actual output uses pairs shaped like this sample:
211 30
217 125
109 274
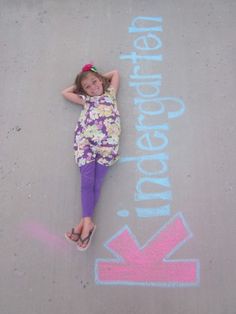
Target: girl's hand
114 77
69 94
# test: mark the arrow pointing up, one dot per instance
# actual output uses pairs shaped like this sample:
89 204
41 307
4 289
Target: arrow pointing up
150 264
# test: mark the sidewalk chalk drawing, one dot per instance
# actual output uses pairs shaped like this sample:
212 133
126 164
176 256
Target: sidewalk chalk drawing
150 264
35 230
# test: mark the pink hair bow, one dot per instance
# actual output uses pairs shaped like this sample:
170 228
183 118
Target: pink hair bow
89 67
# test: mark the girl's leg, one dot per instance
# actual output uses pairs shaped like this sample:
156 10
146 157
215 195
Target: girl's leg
87 198
87 188
100 173
92 177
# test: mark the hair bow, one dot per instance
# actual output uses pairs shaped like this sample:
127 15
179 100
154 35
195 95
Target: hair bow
89 67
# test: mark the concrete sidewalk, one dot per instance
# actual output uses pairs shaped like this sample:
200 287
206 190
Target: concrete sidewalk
165 221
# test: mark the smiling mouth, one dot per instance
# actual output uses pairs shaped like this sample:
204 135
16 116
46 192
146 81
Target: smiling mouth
97 91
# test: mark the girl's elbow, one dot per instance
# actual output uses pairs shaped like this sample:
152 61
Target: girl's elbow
63 93
116 73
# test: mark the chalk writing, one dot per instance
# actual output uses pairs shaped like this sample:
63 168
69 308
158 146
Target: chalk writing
150 264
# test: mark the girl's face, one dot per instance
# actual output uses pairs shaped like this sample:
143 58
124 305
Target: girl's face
92 85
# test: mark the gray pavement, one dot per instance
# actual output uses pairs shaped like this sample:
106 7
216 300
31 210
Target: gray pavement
166 218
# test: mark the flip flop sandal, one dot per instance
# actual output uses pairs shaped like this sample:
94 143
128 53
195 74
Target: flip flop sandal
86 240
73 233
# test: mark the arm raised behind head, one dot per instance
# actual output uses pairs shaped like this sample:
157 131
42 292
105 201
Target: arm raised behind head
114 77
69 94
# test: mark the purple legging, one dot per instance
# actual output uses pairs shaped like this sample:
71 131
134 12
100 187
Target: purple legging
92 177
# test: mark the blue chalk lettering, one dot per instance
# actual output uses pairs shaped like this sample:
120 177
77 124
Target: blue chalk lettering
136 76
134 29
141 101
163 169
123 213
153 196
143 40
174 114
149 146
142 127
150 196
161 181
134 57
153 212
162 158
154 85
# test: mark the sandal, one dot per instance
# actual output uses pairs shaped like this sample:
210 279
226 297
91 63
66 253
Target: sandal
86 240
73 233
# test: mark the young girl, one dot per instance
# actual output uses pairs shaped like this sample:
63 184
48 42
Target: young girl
96 141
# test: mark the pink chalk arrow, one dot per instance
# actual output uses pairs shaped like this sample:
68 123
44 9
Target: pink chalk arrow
150 264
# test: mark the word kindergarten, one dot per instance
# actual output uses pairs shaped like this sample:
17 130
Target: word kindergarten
151 264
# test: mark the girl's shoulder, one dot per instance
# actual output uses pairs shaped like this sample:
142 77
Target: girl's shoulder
110 91
85 98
